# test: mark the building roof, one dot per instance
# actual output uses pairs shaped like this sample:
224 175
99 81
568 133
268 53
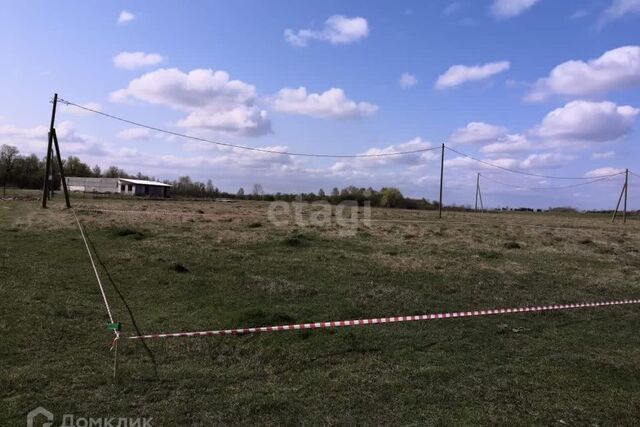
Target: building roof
144 182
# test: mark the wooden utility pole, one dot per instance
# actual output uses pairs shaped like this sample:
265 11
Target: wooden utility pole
62 177
477 190
441 179
47 170
622 193
626 190
52 172
480 195
47 188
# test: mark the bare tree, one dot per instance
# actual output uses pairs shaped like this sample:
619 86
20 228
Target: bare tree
257 190
8 154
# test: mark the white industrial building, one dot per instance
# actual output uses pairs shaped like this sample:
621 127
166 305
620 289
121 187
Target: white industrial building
125 186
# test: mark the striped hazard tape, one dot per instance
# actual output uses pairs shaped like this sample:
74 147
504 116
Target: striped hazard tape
381 320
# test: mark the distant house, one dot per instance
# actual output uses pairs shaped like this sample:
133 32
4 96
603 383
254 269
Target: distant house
127 186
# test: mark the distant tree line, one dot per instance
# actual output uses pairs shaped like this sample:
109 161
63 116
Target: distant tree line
28 172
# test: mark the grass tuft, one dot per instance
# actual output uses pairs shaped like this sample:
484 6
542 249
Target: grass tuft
179 268
512 245
297 239
490 254
128 232
261 317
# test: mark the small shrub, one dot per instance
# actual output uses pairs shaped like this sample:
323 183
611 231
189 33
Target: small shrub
512 245
489 254
259 317
179 268
296 240
255 225
129 232
585 241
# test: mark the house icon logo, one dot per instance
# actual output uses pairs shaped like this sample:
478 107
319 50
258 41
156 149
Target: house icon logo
33 416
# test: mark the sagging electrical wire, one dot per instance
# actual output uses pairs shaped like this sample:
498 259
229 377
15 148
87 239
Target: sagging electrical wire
519 171
242 147
593 181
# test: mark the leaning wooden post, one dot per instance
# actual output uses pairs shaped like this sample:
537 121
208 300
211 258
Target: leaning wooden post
51 174
622 193
62 177
47 169
477 190
626 190
441 178
480 195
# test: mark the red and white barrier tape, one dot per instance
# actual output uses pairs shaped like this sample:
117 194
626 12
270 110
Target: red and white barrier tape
376 321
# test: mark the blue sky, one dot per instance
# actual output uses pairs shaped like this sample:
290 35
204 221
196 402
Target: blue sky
491 78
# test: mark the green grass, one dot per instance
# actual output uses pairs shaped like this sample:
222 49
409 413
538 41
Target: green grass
574 367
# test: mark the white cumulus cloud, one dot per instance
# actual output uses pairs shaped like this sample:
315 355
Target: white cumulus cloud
34 139
505 9
584 121
603 155
214 101
602 172
545 161
615 69
477 132
407 80
374 165
80 112
338 29
125 17
332 103
132 60
512 143
470 164
134 134
618 9
606 171
459 74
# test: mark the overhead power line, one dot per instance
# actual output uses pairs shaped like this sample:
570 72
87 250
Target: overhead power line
593 181
243 147
521 172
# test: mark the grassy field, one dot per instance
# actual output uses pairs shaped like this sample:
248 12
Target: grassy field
210 265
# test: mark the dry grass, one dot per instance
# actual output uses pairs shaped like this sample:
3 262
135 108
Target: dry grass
576 366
